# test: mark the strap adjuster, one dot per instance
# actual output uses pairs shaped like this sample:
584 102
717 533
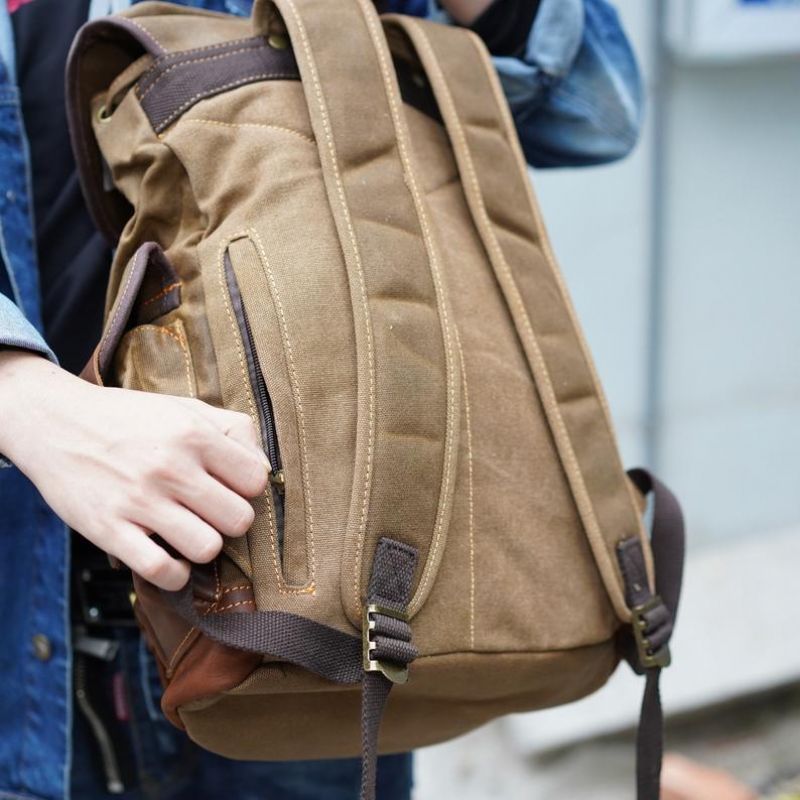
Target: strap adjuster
395 672
650 657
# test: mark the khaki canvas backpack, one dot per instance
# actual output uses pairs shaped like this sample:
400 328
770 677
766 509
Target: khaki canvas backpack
323 219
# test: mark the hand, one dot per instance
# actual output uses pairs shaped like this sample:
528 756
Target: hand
118 465
465 12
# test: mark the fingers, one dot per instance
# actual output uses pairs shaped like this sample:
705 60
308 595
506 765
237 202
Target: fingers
237 466
131 545
191 536
236 426
223 509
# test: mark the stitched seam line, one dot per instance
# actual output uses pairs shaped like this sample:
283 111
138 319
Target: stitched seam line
217 89
604 556
273 535
165 291
546 386
147 34
430 561
180 650
229 606
186 357
297 399
191 62
362 286
470 495
235 125
239 588
122 300
208 47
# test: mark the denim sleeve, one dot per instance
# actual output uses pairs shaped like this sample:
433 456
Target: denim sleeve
16 331
576 96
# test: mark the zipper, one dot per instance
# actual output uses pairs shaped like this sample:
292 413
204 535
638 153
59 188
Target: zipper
266 416
114 782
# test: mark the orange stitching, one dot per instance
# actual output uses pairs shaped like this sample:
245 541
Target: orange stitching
232 85
178 650
236 588
165 291
232 605
186 356
296 394
362 288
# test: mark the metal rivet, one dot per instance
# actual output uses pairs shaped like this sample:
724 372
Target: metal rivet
94 613
103 115
10 196
42 648
278 41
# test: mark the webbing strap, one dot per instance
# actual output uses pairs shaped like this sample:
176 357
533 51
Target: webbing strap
330 653
646 645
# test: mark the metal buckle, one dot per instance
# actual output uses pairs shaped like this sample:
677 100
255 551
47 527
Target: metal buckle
648 659
396 673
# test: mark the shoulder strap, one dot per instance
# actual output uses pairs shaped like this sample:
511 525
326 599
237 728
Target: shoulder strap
499 195
408 383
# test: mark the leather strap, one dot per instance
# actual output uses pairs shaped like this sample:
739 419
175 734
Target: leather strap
332 654
654 613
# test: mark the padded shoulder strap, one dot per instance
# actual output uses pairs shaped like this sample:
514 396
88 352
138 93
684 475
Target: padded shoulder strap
407 369
500 198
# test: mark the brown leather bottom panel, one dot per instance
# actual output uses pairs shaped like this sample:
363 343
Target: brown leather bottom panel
276 716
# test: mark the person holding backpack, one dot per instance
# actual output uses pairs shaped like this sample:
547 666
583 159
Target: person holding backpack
79 710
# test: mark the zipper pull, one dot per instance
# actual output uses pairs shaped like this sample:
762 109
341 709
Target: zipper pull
277 480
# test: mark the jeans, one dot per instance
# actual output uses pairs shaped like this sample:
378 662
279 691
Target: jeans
158 762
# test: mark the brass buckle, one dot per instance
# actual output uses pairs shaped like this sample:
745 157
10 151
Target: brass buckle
648 659
396 673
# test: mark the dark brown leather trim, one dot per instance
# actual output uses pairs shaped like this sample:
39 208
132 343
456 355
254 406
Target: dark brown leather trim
178 81
101 50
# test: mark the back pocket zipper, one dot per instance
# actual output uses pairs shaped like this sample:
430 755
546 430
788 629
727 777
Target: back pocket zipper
269 434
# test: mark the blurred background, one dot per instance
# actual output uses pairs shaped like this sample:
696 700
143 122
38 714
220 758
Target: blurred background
684 264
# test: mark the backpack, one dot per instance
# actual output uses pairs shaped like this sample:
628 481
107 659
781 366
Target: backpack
323 219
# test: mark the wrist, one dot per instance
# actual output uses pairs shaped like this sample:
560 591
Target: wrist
28 383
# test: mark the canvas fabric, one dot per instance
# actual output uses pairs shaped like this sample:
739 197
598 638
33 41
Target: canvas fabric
426 373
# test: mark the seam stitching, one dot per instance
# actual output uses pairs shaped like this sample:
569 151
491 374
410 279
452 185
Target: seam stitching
147 34
189 62
221 124
362 285
216 90
186 357
165 291
430 561
297 399
180 650
470 495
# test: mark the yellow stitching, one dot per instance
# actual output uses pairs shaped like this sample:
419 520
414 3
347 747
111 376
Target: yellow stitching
202 95
434 264
471 502
121 301
239 588
217 45
186 357
296 393
148 35
217 586
362 285
303 136
273 535
231 605
178 652
583 498
618 601
165 291
187 62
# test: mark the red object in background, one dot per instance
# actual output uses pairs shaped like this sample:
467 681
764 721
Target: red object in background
13 5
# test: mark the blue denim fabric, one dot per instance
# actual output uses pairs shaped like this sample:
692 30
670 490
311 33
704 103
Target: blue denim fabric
170 767
576 99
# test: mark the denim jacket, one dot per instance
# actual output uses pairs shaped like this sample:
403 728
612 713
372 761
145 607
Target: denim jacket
576 100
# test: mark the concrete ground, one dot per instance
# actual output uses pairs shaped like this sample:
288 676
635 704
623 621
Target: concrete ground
757 739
